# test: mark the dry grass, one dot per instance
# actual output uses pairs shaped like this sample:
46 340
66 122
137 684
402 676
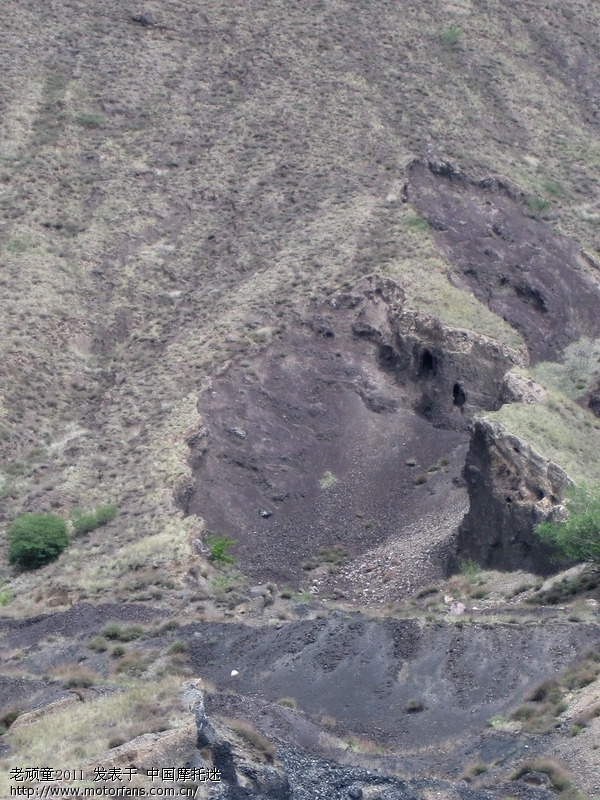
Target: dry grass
559 429
254 738
557 773
86 728
74 676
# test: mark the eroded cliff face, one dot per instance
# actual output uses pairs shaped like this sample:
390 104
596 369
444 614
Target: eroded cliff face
511 489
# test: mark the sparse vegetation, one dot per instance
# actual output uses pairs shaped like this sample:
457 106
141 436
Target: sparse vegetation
546 701
90 120
86 522
77 677
287 702
566 589
470 570
115 632
555 771
416 223
98 644
474 771
147 249
254 738
327 480
427 591
451 36
36 539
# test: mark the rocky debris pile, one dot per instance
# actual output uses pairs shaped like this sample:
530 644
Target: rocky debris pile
405 563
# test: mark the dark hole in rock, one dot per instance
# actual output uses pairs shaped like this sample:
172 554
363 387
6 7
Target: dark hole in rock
428 363
387 356
458 395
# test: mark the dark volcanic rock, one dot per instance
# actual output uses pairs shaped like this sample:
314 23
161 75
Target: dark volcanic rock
511 489
513 263
364 672
388 385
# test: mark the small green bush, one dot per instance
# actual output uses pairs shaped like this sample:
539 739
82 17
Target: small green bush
328 479
416 223
218 547
116 633
470 569
36 539
98 644
84 523
538 205
90 120
451 36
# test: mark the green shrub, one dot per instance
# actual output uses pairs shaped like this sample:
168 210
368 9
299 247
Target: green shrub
4 597
328 479
218 547
115 632
98 644
36 539
451 36
84 523
578 537
118 651
416 223
90 120
538 205
470 569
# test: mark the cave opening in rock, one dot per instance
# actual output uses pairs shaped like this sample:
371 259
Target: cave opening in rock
459 397
428 363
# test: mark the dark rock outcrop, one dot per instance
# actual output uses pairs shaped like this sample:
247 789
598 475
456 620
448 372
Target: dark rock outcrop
511 489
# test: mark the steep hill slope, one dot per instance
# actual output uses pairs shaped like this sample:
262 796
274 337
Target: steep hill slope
262 265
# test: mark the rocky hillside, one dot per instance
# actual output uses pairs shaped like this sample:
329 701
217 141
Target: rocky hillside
310 294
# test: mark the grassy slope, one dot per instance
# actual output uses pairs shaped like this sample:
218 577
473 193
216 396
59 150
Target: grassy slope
166 192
